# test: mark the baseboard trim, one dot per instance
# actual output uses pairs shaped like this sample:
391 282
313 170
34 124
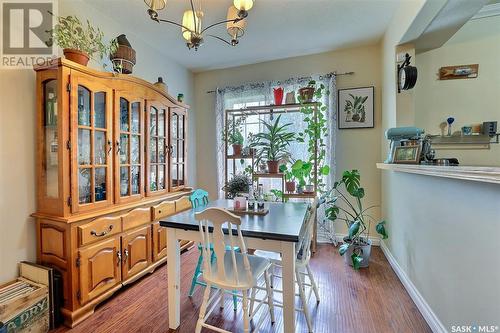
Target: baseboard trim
424 308
340 238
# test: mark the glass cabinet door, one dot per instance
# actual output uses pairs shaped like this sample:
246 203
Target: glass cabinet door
157 149
91 128
128 143
177 149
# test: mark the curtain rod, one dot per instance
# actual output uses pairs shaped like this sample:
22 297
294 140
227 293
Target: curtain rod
331 73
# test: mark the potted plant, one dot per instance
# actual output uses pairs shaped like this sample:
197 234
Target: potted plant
344 203
289 178
306 94
314 136
237 185
301 170
234 136
272 144
79 42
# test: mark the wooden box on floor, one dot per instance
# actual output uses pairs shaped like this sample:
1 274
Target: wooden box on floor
24 306
111 162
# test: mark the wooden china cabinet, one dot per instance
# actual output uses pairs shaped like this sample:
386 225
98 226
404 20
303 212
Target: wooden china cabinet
111 162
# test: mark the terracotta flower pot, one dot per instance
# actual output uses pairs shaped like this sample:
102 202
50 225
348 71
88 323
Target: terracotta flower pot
236 149
290 187
77 56
306 94
272 166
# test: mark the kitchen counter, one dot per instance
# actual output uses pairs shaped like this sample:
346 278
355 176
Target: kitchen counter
473 173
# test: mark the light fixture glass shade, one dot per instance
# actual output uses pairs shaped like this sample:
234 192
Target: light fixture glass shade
243 4
188 20
156 5
235 30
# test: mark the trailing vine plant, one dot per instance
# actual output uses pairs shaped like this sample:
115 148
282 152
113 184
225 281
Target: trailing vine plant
314 135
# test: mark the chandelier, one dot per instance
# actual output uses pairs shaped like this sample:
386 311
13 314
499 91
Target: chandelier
191 27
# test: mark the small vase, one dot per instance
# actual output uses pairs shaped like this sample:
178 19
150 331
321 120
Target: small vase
290 187
272 166
77 56
278 96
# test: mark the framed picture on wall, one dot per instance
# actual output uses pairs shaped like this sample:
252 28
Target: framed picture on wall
355 108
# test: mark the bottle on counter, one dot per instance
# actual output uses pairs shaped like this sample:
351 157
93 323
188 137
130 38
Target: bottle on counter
260 197
251 198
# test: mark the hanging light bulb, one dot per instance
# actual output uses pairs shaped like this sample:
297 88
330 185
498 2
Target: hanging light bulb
156 5
192 22
235 29
245 5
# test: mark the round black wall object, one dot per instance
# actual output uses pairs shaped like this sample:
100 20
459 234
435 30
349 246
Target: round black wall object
407 77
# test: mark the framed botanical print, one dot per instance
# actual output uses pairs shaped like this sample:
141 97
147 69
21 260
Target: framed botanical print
355 107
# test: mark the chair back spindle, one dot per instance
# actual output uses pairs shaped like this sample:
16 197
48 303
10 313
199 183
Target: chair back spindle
304 245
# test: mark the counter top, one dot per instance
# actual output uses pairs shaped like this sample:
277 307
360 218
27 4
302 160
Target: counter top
474 173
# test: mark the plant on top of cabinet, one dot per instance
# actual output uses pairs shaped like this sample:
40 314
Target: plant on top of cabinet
79 42
344 202
272 145
315 133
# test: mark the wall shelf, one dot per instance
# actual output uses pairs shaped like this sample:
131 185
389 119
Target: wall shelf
463 141
474 173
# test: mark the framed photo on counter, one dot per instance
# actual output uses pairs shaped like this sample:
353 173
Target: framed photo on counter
407 155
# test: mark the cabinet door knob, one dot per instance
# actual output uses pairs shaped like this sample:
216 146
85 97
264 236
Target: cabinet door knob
126 255
118 149
118 258
110 146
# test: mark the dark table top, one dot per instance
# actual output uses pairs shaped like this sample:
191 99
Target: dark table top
283 222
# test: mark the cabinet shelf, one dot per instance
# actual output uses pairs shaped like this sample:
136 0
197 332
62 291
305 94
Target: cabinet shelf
468 141
239 157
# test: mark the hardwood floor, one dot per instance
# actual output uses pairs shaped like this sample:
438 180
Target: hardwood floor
371 300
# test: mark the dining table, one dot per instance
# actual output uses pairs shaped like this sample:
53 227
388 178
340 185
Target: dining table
277 231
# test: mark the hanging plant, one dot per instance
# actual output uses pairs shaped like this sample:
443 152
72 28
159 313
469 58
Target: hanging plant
314 135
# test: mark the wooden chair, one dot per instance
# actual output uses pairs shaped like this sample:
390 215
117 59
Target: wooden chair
302 268
231 270
197 198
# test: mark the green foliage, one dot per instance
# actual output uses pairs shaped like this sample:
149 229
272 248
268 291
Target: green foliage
237 184
343 202
301 170
70 33
272 144
314 135
234 128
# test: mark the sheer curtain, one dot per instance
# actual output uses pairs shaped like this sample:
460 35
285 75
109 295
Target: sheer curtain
261 93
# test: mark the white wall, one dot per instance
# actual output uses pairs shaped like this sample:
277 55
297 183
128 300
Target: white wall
469 101
441 231
355 149
17 135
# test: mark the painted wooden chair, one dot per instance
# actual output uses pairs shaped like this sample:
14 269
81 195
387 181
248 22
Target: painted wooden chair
302 268
231 271
200 197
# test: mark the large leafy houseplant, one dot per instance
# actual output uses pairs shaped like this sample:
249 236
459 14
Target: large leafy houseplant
80 41
344 202
272 144
314 135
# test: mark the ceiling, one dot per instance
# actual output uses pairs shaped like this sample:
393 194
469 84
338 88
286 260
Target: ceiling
276 28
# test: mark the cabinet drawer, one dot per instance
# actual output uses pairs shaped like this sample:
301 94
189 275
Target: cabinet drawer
182 204
98 229
163 209
136 217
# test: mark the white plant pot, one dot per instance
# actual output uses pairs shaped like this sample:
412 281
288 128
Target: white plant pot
366 252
